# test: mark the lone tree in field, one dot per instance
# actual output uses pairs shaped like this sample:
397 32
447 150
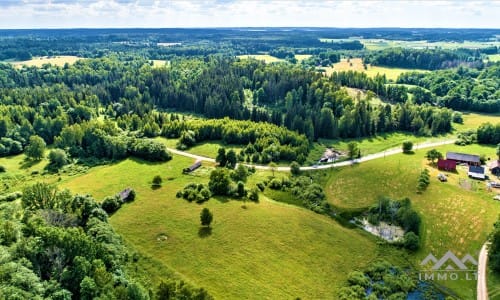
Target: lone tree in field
36 148
407 146
353 150
157 181
221 157
206 217
433 154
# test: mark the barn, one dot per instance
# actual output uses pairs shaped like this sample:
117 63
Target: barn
193 167
495 167
471 160
447 165
476 172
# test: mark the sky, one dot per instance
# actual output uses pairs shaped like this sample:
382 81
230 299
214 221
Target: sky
247 13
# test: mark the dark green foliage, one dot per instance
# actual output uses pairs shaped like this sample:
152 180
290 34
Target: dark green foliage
407 146
194 192
58 158
457 118
433 155
240 173
179 290
488 133
231 159
423 181
219 183
206 217
221 157
150 150
295 168
10 197
398 212
35 148
111 204
382 280
3 169
157 181
352 150
253 195
494 248
466 138
411 241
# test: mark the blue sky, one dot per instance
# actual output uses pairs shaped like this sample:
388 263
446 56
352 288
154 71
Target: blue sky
247 13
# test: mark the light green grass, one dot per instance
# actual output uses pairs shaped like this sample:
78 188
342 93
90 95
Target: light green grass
301 57
493 286
40 61
283 250
265 57
157 63
474 120
453 218
494 57
356 64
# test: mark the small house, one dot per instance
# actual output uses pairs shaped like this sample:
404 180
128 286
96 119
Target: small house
193 167
127 195
447 165
476 172
495 167
471 160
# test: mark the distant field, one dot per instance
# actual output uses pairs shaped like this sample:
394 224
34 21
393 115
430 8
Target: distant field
453 218
379 44
160 63
301 57
494 57
474 120
265 57
40 61
285 251
356 64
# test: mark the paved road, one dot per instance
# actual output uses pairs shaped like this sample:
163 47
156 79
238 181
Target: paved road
327 166
482 287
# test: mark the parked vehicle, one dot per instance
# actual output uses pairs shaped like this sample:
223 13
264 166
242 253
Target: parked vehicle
442 177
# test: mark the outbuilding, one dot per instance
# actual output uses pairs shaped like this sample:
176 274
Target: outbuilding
470 159
495 167
476 172
447 165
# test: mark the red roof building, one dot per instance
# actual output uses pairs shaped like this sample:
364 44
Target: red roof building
447 165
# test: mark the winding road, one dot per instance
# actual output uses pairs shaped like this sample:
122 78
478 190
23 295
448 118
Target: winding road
482 287
482 290
326 166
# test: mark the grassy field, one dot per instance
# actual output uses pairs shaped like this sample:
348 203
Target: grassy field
474 120
157 63
454 218
380 44
265 57
493 286
284 250
40 61
356 64
494 57
301 57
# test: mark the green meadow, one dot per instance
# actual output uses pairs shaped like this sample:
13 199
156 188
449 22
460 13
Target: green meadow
286 251
454 218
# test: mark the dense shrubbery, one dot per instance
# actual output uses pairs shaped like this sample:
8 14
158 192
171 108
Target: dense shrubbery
381 280
195 192
400 213
488 133
494 249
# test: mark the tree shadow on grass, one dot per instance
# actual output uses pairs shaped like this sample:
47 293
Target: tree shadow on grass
204 232
221 199
154 187
28 163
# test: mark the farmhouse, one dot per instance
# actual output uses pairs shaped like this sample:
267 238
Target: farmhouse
193 167
472 160
476 172
495 167
447 165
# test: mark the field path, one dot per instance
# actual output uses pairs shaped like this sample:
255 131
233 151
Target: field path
482 288
339 164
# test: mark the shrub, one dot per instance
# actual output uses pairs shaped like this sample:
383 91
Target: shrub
261 186
295 168
2 169
111 204
411 241
253 194
407 146
206 217
157 180
58 158
275 184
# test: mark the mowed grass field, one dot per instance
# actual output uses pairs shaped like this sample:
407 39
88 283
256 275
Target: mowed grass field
265 57
454 218
269 250
40 61
356 64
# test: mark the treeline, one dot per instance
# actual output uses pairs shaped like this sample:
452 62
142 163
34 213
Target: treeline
427 59
462 88
266 142
44 100
55 245
488 133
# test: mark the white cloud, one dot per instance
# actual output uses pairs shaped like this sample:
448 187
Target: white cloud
248 13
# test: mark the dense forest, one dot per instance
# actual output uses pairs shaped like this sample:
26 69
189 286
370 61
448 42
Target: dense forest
60 104
461 88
